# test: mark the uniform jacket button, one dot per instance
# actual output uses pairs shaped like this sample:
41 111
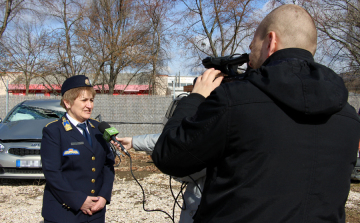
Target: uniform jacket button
92 191
93 169
93 181
93 158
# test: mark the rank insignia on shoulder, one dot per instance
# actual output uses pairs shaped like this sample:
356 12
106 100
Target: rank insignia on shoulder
94 120
91 125
71 151
66 124
50 123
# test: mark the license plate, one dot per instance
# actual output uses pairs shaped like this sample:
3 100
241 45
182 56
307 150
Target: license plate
28 163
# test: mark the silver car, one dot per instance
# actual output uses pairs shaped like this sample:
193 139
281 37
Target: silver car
20 138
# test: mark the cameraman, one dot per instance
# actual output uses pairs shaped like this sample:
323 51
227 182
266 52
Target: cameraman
279 145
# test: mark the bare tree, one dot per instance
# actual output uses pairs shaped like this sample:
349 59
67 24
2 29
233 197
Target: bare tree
26 52
113 37
339 28
11 12
8 11
217 28
156 13
67 56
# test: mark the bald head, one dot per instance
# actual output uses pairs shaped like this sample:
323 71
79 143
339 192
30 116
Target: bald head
293 26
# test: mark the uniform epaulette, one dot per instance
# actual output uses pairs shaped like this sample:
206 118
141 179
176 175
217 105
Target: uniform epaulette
50 123
94 119
91 123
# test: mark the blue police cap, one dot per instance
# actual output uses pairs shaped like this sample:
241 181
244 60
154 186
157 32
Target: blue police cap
75 82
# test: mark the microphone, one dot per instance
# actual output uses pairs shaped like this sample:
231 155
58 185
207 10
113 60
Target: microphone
109 133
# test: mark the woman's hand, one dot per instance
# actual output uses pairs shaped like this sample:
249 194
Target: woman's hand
99 205
88 204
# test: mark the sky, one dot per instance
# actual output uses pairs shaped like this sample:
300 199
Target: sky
177 64
180 64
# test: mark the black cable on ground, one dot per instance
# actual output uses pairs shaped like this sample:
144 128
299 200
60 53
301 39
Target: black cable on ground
159 210
183 185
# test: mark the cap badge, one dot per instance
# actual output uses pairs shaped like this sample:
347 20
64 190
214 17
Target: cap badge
87 82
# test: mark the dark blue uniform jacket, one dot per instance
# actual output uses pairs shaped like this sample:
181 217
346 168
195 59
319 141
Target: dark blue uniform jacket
74 170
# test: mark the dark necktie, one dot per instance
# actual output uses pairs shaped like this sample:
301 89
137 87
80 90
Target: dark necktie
85 132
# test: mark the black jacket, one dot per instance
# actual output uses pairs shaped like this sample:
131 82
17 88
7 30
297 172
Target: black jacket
279 146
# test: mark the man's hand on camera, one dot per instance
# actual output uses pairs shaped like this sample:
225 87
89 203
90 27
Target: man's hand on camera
207 82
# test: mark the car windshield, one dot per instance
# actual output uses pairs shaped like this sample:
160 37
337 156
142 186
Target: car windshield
24 112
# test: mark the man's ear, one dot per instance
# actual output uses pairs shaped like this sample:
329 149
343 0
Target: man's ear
272 43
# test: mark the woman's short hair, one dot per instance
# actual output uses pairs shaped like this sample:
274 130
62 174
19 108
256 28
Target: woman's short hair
72 94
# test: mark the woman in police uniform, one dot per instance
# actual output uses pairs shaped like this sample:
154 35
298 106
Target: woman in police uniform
77 162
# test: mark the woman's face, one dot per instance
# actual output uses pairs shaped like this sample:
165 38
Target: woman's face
82 107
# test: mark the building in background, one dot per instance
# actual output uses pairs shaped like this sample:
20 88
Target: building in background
7 79
176 84
40 87
47 90
164 85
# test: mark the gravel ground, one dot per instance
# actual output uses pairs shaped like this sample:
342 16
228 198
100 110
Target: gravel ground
21 200
23 203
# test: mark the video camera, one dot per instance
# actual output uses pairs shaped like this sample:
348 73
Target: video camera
228 65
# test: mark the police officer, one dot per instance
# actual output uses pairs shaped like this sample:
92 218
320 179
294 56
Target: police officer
77 162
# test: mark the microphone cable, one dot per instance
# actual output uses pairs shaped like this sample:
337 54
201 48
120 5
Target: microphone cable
182 187
143 192
116 154
109 133
197 185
